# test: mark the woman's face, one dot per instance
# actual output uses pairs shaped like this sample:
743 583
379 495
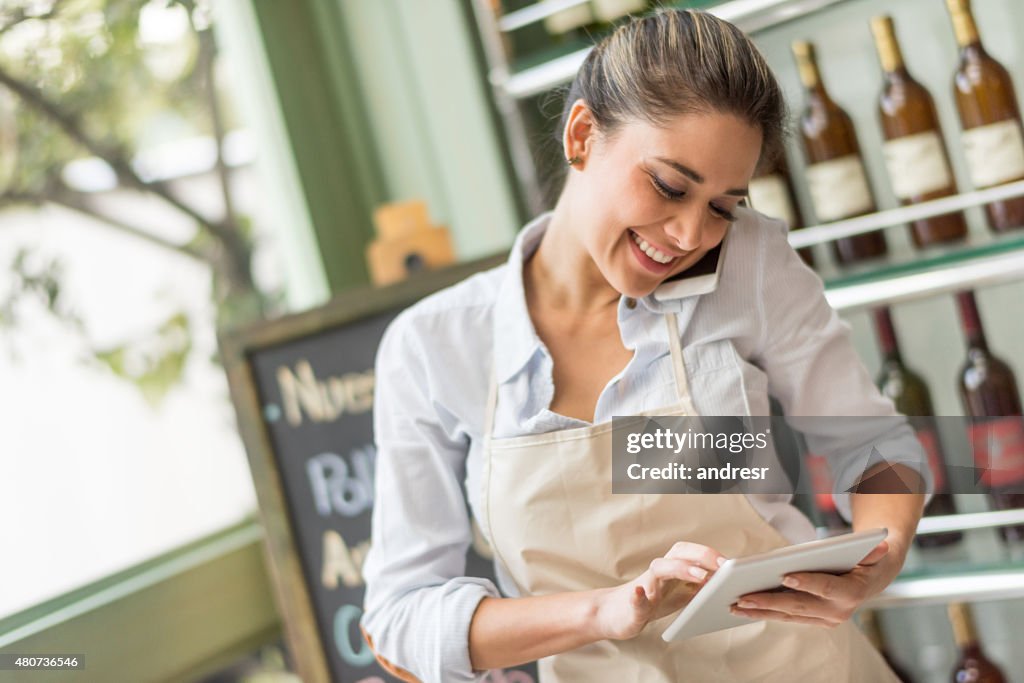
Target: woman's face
650 201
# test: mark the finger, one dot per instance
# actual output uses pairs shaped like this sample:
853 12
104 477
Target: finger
876 554
827 586
650 586
706 557
639 598
783 616
795 603
684 570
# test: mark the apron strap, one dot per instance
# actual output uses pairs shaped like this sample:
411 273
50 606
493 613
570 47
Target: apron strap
492 402
678 366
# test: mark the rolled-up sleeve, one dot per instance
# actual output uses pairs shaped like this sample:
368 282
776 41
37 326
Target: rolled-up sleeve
814 371
418 603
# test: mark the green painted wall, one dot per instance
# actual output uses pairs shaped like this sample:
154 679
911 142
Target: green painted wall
431 117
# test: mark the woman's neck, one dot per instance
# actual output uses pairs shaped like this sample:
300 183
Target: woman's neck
561 275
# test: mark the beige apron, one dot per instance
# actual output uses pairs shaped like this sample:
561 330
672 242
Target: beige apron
555 526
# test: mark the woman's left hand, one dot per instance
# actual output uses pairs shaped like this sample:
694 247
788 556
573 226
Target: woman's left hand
826 599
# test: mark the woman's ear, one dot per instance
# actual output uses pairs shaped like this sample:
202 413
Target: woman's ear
579 133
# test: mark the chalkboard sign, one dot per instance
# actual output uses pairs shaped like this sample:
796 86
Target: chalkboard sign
303 391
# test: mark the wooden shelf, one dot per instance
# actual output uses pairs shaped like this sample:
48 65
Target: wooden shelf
967 274
1003 584
971 520
982 259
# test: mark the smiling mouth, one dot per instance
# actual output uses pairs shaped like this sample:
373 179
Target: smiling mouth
651 252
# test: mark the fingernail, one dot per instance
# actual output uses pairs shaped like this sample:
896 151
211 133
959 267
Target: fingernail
721 561
746 604
790 582
698 572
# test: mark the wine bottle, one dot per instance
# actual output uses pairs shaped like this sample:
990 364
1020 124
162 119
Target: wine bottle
869 624
771 192
990 398
972 664
910 394
790 448
821 482
836 178
992 137
914 152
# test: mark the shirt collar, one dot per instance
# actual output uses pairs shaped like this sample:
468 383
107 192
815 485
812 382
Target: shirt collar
515 340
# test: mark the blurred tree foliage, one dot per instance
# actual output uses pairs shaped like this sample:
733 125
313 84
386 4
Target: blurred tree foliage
84 79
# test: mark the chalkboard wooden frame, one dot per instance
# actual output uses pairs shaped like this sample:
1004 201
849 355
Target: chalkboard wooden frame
291 593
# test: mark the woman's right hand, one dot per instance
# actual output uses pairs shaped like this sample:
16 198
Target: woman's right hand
667 585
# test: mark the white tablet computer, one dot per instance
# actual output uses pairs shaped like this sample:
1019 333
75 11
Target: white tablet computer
709 609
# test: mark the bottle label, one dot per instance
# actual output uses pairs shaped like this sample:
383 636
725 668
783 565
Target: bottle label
917 165
821 482
769 196
998 446
610 10
995 153
930 443
839 188
568 19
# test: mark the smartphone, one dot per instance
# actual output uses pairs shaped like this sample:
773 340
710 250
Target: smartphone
700 278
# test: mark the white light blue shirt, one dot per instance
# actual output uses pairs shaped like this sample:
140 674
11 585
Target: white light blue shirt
766 328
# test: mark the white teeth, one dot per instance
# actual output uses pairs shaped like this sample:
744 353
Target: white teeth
655 254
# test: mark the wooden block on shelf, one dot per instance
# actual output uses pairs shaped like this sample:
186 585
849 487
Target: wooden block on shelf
392 260
397 219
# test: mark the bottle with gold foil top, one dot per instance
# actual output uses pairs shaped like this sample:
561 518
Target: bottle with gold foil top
771 193
993 138
972 664
869 625
835 175
915 154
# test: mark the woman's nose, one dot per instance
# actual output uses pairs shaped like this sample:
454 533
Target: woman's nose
686 232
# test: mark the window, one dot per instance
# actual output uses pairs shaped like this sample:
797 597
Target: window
118 439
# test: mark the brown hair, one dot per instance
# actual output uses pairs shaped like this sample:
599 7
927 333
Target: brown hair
674 62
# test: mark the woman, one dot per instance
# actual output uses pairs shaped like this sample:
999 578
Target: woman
507 382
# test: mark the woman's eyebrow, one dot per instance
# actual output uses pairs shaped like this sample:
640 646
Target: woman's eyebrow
698 178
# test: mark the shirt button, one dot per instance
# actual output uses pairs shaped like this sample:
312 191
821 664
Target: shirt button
630 303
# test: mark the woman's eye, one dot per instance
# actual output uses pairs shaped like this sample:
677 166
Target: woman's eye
723 213
664 190
675 195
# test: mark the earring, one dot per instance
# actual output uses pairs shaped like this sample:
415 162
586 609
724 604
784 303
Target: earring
574 160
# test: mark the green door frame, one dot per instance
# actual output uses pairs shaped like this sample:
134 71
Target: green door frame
327 125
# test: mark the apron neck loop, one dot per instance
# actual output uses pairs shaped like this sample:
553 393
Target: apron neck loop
678 367
678 370
492 402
